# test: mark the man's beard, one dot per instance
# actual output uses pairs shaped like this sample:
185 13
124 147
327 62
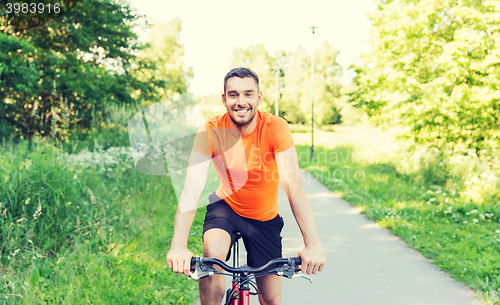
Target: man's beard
243 125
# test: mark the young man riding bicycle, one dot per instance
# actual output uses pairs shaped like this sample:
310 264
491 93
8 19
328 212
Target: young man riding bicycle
253 152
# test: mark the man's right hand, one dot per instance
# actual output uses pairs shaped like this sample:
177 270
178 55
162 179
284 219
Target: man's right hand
179 260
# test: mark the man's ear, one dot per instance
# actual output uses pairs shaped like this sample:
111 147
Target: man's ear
260 98
224 99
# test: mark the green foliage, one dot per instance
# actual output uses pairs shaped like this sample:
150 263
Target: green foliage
162 53
19 76
294 82
443 205
434 67
296 100
327 85
297 95
331 115
35 276
58 78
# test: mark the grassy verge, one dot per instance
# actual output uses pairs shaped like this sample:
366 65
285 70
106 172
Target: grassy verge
445 206
86 229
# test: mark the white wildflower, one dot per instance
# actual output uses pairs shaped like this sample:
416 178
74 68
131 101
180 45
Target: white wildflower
38 212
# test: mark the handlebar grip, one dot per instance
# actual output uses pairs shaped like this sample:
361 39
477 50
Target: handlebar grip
298 262
194 260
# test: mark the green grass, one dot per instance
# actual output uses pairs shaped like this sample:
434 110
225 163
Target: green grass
441 206
102 235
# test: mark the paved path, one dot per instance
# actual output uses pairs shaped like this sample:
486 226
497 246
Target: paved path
366 265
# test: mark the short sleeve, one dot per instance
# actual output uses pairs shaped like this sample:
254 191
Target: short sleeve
202 142
280 136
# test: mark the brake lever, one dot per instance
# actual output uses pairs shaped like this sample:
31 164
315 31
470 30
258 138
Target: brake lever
194 275
201 270
287 270
303 276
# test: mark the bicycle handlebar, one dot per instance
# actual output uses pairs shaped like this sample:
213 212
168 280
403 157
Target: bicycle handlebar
286 267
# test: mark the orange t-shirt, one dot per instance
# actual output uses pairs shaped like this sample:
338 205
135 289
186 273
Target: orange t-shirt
246 164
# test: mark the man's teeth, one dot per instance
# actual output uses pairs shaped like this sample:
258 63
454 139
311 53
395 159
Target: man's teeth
242 110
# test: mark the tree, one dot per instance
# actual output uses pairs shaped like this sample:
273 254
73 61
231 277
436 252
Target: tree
297 96
297 93
294 86
257 58
64 72
327 84
435 68
163 52
19 80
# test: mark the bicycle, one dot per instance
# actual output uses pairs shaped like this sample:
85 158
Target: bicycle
244 276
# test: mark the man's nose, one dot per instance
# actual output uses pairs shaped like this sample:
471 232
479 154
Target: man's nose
240 101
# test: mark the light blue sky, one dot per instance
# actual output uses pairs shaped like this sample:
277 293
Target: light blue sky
212 29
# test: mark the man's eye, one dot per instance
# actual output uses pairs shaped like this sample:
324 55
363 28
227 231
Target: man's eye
249 94
232 95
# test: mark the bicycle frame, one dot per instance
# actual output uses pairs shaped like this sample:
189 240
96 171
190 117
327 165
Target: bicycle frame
240 295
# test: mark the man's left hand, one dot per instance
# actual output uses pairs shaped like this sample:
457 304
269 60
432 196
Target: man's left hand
313 259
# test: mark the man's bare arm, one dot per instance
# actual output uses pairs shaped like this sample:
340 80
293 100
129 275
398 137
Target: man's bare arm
312 255
179 257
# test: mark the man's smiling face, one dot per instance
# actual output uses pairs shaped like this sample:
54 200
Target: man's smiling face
241 99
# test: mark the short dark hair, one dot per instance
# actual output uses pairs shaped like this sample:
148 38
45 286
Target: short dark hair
241 73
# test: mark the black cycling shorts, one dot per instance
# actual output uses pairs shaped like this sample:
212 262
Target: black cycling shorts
262 239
